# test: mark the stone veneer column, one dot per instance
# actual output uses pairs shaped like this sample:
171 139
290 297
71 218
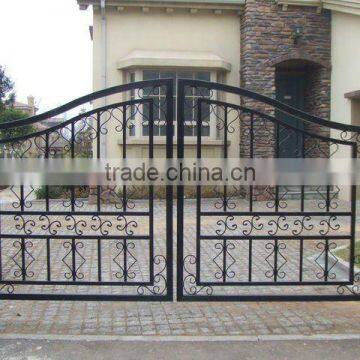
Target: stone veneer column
266 40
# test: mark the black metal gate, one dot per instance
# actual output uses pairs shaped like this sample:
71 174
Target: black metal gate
233 242
95 243
253 243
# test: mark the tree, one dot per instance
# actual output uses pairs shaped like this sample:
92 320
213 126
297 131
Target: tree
7 112
12 114
7 96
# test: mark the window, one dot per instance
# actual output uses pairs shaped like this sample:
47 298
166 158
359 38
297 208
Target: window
191 97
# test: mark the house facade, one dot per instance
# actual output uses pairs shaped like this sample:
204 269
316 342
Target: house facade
30 109
302 52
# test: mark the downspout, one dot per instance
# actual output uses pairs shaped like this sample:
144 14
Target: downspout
103 66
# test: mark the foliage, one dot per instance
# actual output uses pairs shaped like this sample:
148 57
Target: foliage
61 192
7 97
55 192
11 114
7 112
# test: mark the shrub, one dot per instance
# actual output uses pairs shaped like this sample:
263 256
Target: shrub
55 192
61 192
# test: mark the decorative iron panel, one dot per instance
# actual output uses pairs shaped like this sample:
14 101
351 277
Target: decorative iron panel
95 242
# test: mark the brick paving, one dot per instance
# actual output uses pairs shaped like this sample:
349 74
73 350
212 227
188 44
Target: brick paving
116 318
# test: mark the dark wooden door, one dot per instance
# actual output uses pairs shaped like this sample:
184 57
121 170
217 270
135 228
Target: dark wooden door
290 90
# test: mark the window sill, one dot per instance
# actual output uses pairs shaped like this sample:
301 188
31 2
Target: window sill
162 142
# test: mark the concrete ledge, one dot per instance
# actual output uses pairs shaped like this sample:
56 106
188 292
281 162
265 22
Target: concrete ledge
147 58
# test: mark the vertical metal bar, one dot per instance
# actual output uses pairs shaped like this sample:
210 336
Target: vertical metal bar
353 218
125 247
251 192
99 259
302 209
277 148
98 135
73 255
169 188
22 243
276 247
326 270
225 188
198 193
151 192
72 189
302 206
250 260
47 206
98 155
23 259
225 148
98 194
124 194
326 240
301 260
180 190
22 200
73 242
327 198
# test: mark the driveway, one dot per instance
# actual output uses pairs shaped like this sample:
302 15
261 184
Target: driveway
178 319
22 349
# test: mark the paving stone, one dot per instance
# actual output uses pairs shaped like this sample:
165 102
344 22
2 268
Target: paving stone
130 318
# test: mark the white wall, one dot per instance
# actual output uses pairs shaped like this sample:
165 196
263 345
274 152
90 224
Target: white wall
345 57
159 31
345 77
134 30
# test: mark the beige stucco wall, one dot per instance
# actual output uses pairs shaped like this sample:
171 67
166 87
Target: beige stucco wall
345 59
345 77
159 31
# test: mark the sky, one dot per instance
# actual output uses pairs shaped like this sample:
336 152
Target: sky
46 49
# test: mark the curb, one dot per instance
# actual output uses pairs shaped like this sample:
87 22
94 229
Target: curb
159 338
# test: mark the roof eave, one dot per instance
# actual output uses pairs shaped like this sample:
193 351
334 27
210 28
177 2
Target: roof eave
196 4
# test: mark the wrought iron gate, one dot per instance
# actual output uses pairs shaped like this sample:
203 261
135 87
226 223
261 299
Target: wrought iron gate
246 243
263 242
96 243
